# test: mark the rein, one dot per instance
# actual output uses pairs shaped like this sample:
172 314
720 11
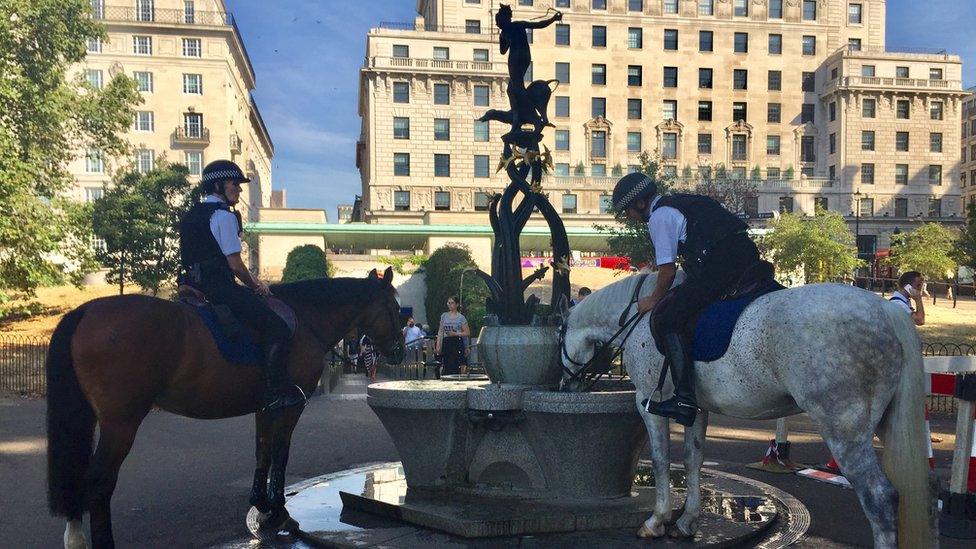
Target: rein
626 323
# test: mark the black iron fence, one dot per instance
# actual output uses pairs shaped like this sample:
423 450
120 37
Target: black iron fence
945 405
22 364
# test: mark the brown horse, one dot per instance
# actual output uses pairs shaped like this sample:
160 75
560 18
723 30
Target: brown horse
112 359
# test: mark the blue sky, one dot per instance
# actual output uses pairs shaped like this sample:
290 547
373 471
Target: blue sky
307 55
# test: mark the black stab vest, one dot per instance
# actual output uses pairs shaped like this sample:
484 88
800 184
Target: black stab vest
708 223
202 261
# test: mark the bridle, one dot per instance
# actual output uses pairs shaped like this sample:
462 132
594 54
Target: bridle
586 373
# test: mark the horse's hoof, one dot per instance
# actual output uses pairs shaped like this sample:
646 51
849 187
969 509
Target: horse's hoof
649 533
74 536
682 531
267 526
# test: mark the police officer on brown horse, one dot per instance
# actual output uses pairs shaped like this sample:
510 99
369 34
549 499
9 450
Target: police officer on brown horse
715 251
210 256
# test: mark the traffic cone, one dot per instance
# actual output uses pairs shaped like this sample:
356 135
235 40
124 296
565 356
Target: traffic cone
928 438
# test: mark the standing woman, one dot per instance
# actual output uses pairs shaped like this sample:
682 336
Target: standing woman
450 338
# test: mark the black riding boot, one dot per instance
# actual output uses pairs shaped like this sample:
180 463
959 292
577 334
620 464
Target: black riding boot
278 392
682 406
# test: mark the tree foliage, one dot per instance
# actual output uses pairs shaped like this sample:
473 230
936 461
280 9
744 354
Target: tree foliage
965 251
822 246
929 249
138 219
443 275
45 117
731 192
305 262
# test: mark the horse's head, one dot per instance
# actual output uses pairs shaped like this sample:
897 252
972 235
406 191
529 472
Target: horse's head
381 317
582 351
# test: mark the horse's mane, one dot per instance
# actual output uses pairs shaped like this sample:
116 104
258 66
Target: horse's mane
330 291
609 300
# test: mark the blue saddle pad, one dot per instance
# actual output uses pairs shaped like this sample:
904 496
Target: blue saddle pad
239 350
713 331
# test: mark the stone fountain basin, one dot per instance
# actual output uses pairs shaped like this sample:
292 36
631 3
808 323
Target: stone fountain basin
511 440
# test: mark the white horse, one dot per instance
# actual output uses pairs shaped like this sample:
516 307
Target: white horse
843 355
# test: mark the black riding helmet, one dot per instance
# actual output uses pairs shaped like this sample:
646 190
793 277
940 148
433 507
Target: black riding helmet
631 187
219 171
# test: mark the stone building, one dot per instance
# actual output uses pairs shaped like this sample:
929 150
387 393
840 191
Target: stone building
967 175
195 77
802 96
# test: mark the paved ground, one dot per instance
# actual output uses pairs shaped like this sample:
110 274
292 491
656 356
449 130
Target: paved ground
185 483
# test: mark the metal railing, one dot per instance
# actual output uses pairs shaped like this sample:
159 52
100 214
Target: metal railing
164 16
945 405
22 361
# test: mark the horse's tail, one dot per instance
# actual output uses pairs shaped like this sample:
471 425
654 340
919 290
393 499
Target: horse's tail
905 456
70 424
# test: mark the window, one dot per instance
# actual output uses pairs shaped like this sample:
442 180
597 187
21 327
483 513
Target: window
935 74
869 108
901 174
562 140
98 9
705 78
481 130
401 50
935 174
809 82
901 72
740 8
633 5
739 147
704 143
145 160
740 79
95 45
867 70
598 144
598 4
441 53
144 81
635 38
705 111
671 39
145 121
775 44
192 47
189 12
867 174
772 145
706 40
935 110
901 141
809 45
401 164
480 54
442 94
401 127
820 203
867 140
739 111
854 14
606 203
472 26
670 110
145 11
562 72
866 207
194 162
562 169
706 7
772 174
935 142
193 84
598 107
774 113
598 170
401 92
94 193
193 125
480 202
94 78
569 203
670 6
669 146
854 44
635 76
599 36
634 142
670 77
442 129
442 165
903 109
935 207
599 74
94 161
562 106
809 10
633 109
775 80
832 143
901 207
808 149
741 44
401 201
442 201
142 45
481 95
786 204
775 9
807 113
562 34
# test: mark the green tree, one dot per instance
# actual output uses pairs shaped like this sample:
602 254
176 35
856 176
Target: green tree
44 118
965 252
822 246
443 270
305 262
929 249
138 220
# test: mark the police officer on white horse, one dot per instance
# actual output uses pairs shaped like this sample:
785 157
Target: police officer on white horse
210 256
715 251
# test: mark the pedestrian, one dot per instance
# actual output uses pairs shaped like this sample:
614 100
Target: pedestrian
369 356
450 337
910 289
580 296
413 338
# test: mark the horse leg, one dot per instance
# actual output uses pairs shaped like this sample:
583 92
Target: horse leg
263 423
114 442
687 524
659 440
282 429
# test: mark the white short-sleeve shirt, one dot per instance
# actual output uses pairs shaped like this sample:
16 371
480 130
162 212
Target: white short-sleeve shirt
902 302
223 225
667 227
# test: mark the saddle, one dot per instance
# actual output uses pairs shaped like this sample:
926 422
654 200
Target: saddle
236 342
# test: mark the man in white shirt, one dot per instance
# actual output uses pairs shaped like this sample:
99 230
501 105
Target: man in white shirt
909 290
413 338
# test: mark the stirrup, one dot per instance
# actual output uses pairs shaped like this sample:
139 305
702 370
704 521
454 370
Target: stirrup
283 400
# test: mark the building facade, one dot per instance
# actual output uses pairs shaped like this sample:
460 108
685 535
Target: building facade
801 96
967 175
195 78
